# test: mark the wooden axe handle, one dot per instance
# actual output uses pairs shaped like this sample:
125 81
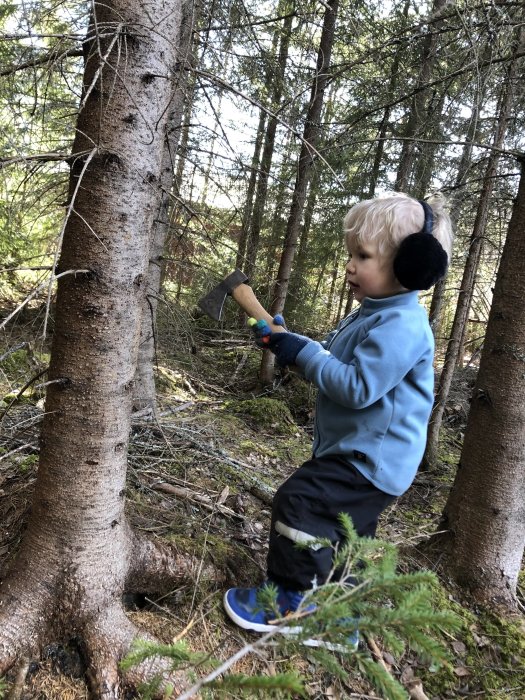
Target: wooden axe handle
245 297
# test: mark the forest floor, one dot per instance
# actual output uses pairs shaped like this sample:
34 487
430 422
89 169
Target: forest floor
202 477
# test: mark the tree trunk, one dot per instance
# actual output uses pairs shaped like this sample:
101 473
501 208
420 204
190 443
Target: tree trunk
269 145
78 554
304 170
295 301
384 126
242 259
332 297
484 512
418 112
144 394
465 162
424 168
469 274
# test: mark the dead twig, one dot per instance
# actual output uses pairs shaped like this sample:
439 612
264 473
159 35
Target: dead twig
21 392
18 449
15 348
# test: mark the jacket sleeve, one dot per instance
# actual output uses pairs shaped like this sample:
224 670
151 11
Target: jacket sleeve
391 348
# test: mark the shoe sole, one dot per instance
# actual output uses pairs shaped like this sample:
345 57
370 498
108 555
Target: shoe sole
341 648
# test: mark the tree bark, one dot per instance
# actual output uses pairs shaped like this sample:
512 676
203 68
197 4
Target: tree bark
304 170
77 552
144 394
484 512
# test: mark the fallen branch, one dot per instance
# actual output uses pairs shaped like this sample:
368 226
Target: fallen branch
200 498
18 449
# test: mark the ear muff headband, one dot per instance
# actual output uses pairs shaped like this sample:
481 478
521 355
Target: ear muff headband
420 260
428 224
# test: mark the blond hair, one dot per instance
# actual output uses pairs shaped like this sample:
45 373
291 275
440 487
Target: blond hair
390 218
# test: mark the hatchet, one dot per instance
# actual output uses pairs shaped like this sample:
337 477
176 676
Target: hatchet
235 285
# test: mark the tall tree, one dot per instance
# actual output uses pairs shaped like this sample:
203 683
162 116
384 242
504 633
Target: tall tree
384 125
79 554
484 513
269 139
252 183
304 171
418 113
458 195
144 394
471 266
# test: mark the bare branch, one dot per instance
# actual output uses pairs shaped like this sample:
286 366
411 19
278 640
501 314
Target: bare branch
49 57
35 291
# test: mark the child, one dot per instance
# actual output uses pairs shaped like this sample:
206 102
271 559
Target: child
375 379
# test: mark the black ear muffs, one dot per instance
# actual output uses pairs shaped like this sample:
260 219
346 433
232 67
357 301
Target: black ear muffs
420 260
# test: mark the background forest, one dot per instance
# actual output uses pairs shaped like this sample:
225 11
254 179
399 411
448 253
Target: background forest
278 116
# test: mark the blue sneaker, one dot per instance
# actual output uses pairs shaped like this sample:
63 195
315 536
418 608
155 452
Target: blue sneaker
243 606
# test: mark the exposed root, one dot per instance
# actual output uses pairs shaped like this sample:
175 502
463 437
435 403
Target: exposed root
18 686
157 567
108 639
21 628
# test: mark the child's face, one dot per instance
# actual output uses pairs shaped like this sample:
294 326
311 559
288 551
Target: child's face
369 274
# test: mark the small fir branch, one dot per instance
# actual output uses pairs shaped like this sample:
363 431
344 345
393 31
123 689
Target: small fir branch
150 689
178 653
284 685
385 683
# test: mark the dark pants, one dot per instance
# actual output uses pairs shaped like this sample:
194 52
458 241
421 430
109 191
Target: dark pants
310 502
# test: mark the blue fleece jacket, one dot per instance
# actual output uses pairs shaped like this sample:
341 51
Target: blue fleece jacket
375 378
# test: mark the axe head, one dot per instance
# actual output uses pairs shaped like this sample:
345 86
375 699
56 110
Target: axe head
213 302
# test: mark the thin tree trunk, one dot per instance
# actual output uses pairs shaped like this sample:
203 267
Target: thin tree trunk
304 170
242 259
184 138
484 513
76 557
293 302
465 163
424 168
384 126
469 273
277 227
417 116
333 283
349 302
144 394
269 145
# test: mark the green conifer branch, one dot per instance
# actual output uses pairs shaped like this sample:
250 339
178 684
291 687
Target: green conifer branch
283 685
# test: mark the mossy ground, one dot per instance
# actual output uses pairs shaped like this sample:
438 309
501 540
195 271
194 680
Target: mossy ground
218 436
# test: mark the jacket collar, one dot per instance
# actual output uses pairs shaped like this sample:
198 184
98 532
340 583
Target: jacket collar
371 306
